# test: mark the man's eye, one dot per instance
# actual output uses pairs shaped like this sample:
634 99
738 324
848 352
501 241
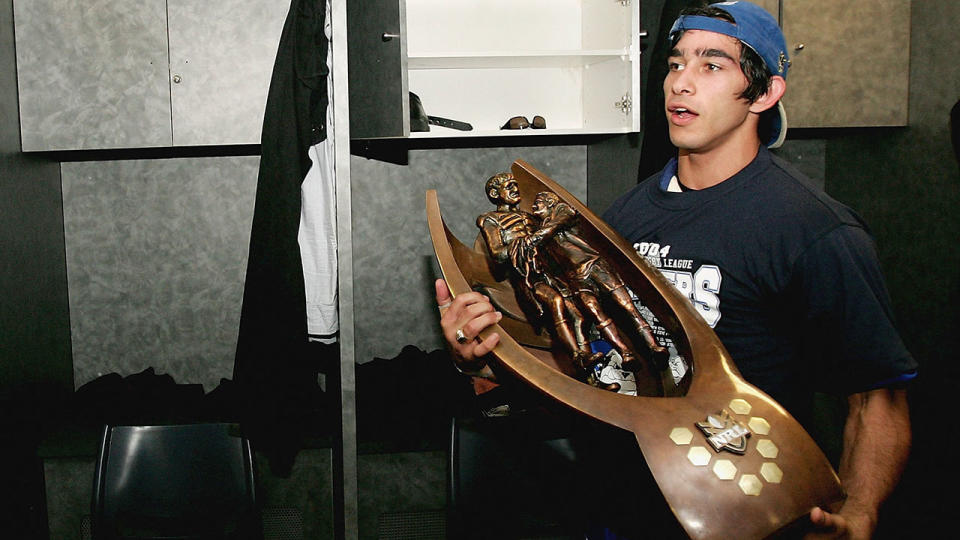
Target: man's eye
713 67
675 66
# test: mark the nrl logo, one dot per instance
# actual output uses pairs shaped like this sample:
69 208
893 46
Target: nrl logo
725 433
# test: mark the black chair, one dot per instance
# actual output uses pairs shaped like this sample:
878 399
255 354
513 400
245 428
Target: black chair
512 477
186 481
530 476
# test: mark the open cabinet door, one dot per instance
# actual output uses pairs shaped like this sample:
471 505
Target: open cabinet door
377 64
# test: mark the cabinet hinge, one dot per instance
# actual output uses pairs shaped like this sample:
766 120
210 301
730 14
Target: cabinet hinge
625 105
623 2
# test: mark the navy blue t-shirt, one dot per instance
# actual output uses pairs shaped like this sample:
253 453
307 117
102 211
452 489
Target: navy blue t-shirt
787 277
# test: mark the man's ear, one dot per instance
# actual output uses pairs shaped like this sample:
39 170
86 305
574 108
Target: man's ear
775 91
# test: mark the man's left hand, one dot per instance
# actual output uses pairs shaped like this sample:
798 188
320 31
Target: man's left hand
847 524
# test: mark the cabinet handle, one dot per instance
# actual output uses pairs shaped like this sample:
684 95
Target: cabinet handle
799 47
177 79
387 36
644 34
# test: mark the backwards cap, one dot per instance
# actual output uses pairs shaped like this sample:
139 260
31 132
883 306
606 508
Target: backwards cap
757 29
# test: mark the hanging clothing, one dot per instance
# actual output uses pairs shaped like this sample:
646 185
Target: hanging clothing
318 225
318 244
656 148
275 369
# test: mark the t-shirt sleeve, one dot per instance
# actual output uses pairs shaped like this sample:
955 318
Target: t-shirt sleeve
851 334
612 215
617 215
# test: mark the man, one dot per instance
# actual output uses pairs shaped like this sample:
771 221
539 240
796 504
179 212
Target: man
786 276
504 231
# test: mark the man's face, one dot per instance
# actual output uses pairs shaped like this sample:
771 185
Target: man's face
701 93
509 191
540 207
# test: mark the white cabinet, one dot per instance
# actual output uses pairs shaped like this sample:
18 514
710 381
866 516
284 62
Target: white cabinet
100 74
573 62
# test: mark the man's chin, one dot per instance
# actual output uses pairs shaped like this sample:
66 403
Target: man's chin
684 145
683 140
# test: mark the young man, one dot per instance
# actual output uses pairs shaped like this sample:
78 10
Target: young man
786 276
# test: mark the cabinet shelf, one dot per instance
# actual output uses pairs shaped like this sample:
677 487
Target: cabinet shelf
581 94
519 59
441 132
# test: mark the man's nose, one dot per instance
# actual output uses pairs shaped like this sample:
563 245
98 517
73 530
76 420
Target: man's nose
682 82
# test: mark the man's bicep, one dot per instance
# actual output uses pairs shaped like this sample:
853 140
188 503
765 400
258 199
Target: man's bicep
490 231
848 314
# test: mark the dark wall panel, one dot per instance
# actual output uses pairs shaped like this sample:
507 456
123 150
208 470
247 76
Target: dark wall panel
34 318
35 364
905 183
156 255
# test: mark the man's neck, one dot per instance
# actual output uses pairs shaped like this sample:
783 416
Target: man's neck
701 170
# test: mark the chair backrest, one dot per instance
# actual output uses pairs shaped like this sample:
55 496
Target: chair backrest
174 481
521 466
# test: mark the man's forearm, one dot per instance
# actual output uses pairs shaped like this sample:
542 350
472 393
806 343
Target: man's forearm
876 443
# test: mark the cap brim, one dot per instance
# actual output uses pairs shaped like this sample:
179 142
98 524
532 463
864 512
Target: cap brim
779 127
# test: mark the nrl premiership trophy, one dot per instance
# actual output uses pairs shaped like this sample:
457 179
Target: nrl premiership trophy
729 460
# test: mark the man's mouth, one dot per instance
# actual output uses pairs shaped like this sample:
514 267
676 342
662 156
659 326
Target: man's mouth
681 116
681 112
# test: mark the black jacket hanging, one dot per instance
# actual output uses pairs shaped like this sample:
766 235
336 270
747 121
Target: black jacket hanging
656 148
274 372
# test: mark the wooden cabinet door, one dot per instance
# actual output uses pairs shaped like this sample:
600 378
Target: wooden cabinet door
221 58
92 74
772 6
850 62
377 69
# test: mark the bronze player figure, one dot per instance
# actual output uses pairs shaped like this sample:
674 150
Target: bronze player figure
504 231
589 275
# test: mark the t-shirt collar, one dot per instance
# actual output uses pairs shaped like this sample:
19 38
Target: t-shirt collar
669 173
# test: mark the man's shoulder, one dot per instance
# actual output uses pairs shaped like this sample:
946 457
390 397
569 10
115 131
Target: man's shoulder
790 193
488 218
563 209
631 199
493 215
784 168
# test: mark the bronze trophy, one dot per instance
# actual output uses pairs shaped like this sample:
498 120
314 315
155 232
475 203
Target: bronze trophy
729 460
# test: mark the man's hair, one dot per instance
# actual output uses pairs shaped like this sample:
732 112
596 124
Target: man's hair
549 197
758 78
493 185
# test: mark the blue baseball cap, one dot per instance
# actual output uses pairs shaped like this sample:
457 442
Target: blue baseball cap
757 29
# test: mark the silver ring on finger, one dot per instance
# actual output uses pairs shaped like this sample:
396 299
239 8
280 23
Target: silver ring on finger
461 337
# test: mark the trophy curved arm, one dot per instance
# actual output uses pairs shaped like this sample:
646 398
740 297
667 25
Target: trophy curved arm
729 460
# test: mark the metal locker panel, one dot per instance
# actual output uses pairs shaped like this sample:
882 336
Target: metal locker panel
377 64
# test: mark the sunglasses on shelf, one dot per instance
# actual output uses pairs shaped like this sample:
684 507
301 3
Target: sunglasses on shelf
521 122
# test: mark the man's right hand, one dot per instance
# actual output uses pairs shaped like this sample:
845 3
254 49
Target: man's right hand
469 313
